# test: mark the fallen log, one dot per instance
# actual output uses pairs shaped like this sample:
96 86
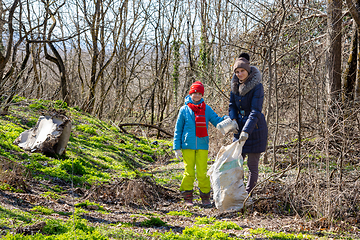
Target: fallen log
50 134
143 125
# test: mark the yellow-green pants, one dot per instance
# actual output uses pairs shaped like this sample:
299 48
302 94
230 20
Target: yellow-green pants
199 159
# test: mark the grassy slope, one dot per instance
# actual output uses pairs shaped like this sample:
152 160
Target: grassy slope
96 152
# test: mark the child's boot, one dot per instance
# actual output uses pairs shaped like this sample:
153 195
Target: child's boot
205 198
188 197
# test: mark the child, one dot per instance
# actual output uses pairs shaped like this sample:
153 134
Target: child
192 140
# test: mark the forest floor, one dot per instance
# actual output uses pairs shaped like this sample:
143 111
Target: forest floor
168 214
116 186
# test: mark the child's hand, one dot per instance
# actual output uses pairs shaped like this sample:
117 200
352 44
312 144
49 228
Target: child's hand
178 154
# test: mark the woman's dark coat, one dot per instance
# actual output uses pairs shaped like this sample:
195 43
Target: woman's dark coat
245 106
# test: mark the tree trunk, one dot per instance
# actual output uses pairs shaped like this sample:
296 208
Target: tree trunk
333 54
57 59
350 72
94 30
16 83
5 52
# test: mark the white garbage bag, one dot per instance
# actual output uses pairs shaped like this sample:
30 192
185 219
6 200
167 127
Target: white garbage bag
227 178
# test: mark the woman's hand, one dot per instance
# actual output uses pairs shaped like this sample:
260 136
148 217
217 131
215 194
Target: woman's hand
243 136
234 122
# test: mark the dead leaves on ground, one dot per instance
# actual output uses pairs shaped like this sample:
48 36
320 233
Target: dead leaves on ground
144 192
14 174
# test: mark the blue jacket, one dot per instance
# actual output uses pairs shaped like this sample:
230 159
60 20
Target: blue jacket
245 106
185 135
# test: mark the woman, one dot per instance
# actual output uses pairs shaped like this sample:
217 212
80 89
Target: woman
246 100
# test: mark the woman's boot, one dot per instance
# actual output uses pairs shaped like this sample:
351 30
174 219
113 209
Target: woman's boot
188 197
205 198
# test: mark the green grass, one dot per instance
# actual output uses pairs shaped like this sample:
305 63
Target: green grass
193 233
59 230
72 228
211 221
204 220
51 195
7 187
182 213
153 222
15 217
273 235
96 152
42 210
88 203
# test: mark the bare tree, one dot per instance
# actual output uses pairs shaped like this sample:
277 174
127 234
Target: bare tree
57 59
352 77
96 21
333 58
5 51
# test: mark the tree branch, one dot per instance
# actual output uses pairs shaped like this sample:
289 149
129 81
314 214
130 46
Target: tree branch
353 11
145 125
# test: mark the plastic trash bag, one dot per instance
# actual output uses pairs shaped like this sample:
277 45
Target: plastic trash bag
227 178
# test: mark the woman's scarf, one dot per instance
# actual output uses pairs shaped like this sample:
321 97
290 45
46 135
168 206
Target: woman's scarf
200 120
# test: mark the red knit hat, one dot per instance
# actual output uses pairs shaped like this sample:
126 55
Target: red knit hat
197 87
